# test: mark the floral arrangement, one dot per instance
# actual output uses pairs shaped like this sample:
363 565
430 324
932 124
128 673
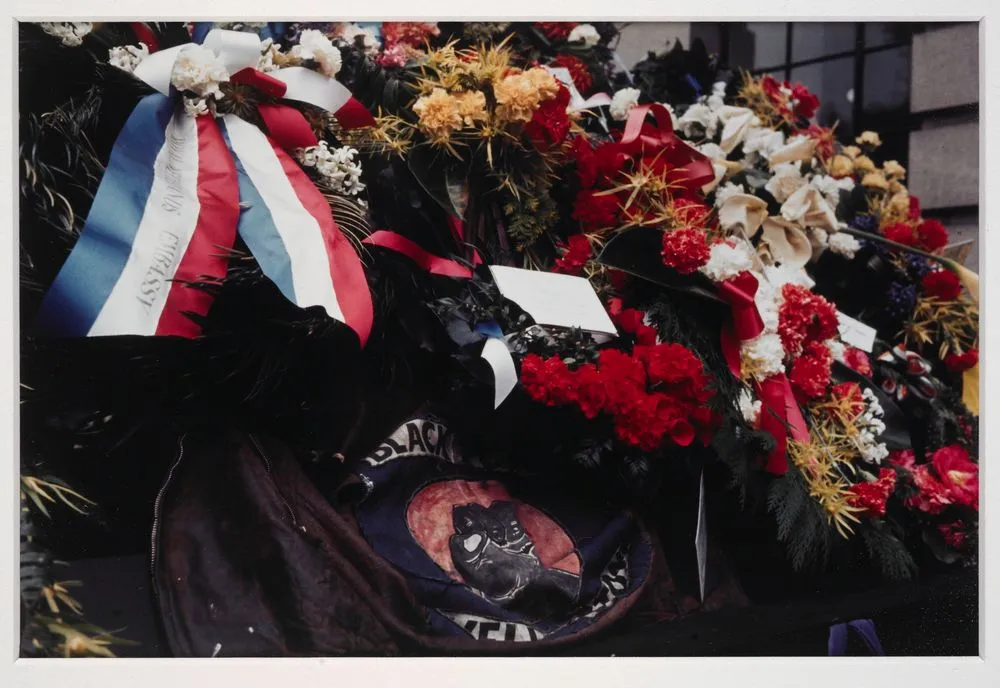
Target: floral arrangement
732 238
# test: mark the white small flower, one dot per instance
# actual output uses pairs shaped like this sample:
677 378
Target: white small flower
70 33
766 353
314 45
831 188
726 261
354 34
195 106
837 349
199 70
586 34
337 166
623 101
128 57
749 407
726 191
844 244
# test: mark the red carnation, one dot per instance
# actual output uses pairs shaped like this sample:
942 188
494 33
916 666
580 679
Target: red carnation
556 31
804 317
959 363
953 533
413 34
772 87
901 233
678 369
959 474
807 104
914 213
685 249
932 235
858 361
631 322
672 419
850 391
547 380
624 378
872 496
595 211
577 255
810 375
590 392
904 458
932 496
942 284
636 422
577 70
549 126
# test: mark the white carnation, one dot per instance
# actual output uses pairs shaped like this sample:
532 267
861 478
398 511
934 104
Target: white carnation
844 244
314 45
837 349
766 353
749 407
70 33
698 116
726 261
726 191
337 166
831 188
623 101
128 57
786 179
763 141
199 70
586 34
354 34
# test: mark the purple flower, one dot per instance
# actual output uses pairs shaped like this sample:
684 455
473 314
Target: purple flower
866 223
901 299
917 266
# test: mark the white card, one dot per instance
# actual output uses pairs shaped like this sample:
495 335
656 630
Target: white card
701 537
856 333
554 299
496 353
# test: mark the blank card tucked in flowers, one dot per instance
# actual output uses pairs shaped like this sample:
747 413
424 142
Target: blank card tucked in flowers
553 299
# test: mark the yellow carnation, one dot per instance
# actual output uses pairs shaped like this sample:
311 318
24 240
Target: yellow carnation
546 84
852 151
864 164
471 107
875 180
841 166
899 204
869 138
893 170
438 114
519 95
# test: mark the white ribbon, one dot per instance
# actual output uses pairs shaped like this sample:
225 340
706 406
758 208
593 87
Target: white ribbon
239 50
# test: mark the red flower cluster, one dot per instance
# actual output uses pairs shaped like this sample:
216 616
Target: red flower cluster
550 124
804 317
577 69
577 255
953 480
790 100
851 391
810 374
959 363
915 211
631 322
929 235
582 153
685 250
872 496
413 34
954 534
556 31
858 361
942 284
594 211
904 458
660 391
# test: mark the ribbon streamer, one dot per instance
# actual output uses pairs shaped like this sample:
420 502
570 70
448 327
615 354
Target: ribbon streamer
837 642
168 208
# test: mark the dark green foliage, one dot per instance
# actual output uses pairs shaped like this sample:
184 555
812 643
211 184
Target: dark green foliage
802 525
887 552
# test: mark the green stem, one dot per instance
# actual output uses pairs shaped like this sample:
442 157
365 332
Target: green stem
946 262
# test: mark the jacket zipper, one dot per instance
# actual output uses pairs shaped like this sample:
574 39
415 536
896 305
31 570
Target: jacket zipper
154 536
267 464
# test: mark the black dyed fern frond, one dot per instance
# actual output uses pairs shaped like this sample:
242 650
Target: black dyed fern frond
802 525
